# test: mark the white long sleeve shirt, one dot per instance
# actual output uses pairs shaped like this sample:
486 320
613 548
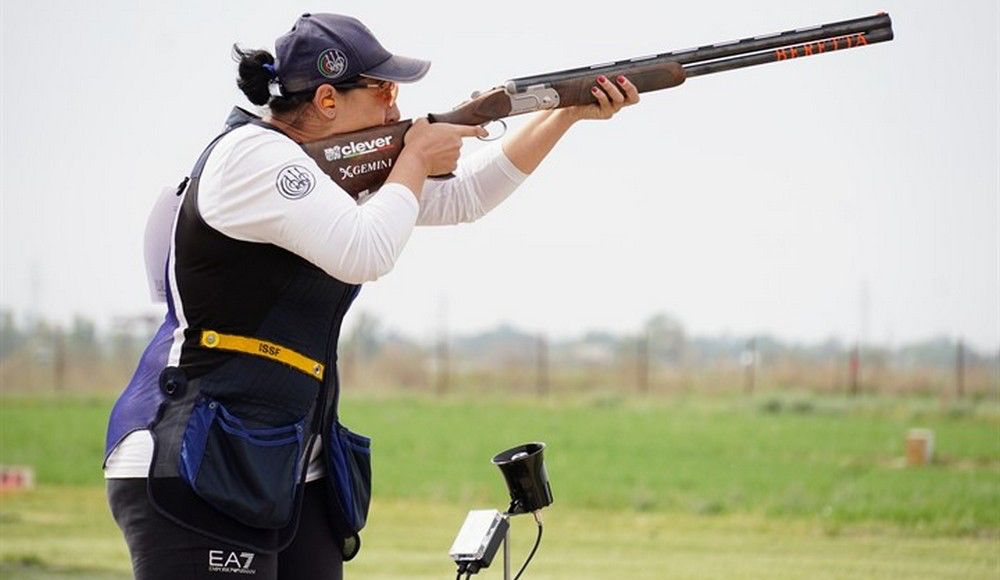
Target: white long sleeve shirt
241 195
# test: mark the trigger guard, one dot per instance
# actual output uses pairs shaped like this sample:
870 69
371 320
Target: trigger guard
502 133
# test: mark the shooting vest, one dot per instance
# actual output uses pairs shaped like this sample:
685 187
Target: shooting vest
234 417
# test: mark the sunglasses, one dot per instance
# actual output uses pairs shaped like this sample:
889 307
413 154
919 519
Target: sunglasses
388 89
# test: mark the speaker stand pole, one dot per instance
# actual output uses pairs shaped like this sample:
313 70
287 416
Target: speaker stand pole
506 554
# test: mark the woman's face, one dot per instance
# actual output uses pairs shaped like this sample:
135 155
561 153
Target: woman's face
368 106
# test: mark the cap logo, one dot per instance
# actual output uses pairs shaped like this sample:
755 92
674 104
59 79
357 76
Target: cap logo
332 63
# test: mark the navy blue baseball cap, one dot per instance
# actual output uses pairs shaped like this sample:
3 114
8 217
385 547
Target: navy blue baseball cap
331 48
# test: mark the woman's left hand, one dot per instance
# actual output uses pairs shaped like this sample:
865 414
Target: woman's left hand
533 141
611 98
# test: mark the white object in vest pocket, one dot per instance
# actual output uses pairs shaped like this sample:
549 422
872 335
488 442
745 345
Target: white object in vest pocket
156 242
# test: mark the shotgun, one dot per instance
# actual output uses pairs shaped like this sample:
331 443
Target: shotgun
361 161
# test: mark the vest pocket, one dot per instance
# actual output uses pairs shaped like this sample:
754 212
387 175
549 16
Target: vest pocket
250 474
351 477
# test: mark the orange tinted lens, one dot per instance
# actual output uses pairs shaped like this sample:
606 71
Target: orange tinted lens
391 91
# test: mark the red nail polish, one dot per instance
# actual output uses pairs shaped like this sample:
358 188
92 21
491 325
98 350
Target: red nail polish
621 80
594 90
602 79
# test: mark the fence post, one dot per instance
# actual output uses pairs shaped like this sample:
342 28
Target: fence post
443 369
59 358
960 369
749 364
542 364
642 362
855 370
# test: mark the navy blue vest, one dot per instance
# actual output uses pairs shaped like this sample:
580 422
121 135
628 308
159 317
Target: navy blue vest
231 429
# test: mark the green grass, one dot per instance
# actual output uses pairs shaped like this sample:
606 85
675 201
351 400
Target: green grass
61 437
64 532
661 488
836 465
831 460
56 532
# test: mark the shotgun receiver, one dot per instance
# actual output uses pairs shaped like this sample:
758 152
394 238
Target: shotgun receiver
361 161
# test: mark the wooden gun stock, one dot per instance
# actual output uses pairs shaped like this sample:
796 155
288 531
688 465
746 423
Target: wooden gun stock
362 160
480 110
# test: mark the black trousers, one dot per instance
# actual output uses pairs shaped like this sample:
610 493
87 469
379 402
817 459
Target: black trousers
163 550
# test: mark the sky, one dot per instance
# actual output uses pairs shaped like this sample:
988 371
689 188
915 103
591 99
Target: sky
852 195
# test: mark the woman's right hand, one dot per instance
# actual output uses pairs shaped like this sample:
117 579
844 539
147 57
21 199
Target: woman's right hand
429 149
437 145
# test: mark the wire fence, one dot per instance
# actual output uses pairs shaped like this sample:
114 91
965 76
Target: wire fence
50 358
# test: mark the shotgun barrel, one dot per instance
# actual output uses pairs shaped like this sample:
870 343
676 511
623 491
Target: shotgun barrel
721 50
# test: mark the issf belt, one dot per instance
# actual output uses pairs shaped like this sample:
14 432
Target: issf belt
264 349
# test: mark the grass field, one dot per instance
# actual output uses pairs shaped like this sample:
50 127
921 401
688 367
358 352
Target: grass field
667 488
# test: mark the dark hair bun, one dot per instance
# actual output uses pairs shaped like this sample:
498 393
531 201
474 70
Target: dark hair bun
254 78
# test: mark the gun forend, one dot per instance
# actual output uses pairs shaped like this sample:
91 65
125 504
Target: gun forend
645 75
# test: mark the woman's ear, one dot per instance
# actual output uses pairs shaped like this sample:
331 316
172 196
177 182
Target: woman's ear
325 101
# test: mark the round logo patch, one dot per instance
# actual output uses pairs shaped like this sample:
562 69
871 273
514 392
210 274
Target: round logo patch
295 182
332 63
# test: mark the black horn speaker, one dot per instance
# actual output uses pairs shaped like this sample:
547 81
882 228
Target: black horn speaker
523 468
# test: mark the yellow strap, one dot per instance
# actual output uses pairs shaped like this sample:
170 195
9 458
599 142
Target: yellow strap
262 348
